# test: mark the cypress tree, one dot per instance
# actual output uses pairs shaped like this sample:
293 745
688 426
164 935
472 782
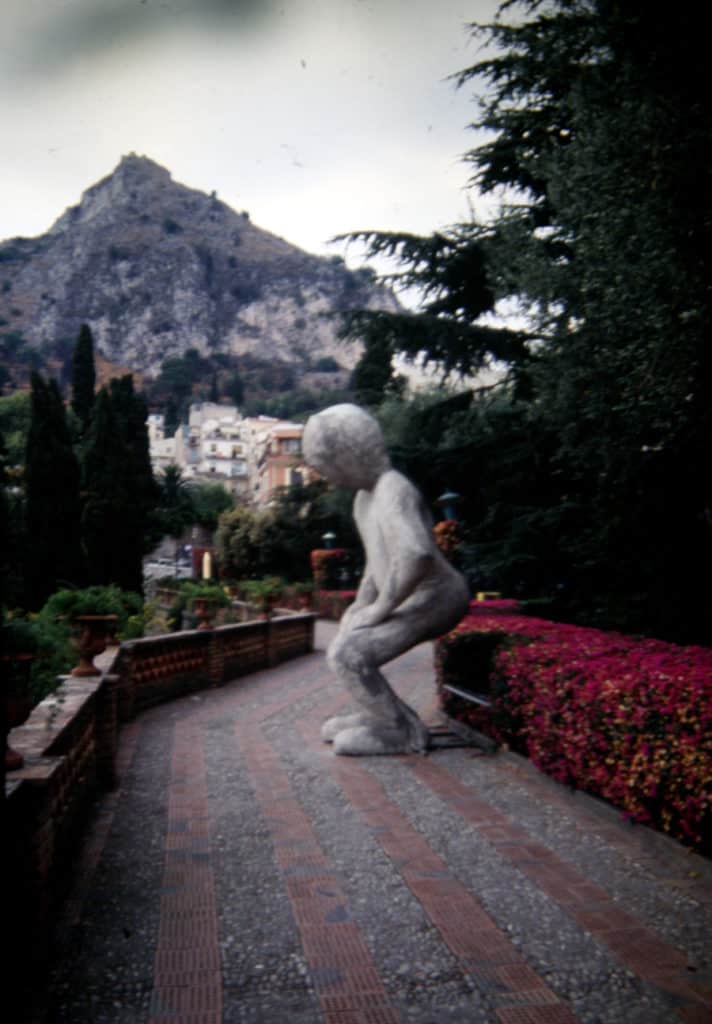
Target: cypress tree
53 557
83 377
106 513
119 488
132 415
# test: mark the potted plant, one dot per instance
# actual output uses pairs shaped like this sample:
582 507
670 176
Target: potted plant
18 646
304 591
94 614
264 593
203 599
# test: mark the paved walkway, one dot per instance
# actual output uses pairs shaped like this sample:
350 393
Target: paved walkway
244 873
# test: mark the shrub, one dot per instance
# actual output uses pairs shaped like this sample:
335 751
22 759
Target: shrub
56 654
327 564
187 592
263 592
97 600
624 718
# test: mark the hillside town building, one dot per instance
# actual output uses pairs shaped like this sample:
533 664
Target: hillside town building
250 456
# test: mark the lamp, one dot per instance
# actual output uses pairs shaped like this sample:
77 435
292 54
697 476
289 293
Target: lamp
448 502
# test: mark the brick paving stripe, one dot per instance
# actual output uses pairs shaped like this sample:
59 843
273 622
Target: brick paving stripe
637 946
344 975
187 977
462 922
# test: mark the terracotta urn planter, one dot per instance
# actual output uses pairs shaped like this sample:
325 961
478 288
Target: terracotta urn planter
92 634
204 610
16 702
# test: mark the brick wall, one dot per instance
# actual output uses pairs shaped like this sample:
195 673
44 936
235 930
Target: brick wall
69 744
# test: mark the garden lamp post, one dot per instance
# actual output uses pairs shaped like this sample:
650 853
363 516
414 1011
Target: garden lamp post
448 502
329 539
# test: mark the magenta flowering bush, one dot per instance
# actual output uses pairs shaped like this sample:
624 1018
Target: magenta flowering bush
624 718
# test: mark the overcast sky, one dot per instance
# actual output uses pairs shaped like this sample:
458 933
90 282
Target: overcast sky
316 116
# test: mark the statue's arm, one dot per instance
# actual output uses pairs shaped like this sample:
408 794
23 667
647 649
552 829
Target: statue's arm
365 595
410 546
367 591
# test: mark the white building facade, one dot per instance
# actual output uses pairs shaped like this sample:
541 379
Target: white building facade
250 456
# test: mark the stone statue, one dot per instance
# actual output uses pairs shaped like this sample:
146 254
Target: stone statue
409 592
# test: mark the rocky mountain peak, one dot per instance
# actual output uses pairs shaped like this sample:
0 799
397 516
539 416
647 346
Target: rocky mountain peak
156 268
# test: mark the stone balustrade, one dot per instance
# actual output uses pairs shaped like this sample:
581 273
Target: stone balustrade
69 744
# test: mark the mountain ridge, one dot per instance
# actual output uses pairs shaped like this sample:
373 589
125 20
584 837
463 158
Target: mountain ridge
156 268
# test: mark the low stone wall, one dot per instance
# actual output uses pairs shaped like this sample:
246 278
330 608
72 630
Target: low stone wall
69 744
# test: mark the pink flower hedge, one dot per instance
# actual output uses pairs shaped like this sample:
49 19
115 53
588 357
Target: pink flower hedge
331 604
626 719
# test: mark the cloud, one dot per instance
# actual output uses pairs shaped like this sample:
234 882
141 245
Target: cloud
73 31
316 115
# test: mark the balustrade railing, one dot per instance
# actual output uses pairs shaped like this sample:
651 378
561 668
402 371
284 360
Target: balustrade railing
69 746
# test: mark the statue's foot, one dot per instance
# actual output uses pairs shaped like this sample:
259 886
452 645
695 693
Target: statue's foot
362 740
333 726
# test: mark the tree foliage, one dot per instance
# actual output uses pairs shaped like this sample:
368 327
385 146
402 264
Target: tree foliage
14 425
83 377
118 489
174 509
208 502
53 554
277 540
596 119
373 377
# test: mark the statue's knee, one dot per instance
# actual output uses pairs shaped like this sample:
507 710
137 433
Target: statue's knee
334 655
344 654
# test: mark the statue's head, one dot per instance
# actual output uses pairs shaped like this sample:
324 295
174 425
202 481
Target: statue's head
345 444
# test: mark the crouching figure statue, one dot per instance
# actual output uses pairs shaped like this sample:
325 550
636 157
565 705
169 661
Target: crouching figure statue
409 592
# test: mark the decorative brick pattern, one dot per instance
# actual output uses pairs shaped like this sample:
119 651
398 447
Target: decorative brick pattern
187 977
462 922
635 945
344 975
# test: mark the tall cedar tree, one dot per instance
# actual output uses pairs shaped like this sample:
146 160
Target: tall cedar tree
53 556
596 118
83 377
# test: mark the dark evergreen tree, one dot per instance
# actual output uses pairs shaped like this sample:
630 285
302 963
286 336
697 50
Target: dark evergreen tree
171 418
597 120
83 377
132 415
236 388
118 488
174 511
372 372
53 555
108 521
